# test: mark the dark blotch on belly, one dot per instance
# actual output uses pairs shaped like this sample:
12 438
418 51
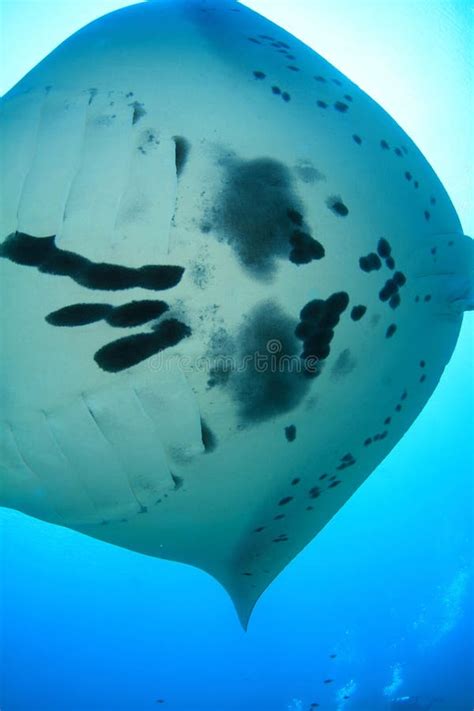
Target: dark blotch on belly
131 350
256 211
42 253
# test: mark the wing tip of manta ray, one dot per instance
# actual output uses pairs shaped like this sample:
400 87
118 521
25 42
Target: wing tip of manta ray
244 613
244 605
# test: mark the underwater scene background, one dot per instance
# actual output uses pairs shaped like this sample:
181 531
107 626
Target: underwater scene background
377 612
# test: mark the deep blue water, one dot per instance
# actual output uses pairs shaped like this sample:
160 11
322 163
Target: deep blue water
387 587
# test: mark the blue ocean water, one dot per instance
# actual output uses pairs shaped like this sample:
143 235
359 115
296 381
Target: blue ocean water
387 588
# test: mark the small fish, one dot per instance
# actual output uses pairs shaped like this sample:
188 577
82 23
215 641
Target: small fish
328 681
160 701
332 656
346 697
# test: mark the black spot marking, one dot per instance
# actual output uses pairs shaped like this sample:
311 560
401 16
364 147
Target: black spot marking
399 278
259 529
252 213
248 574
208 438
346 461
281 539
357 312
422 364
384 145
260 392
337 206
357 139
398 408
78 314
388 290
276 90
322 104
334 483
131 350
293 68
432 201
24 249
286 500
390 263
422 378
394 301
182 148
321 79
348 97
427 215
252 39
383 248
427 298
314 492
178 481
304 248
390 330
42 253
408 175
416 184
370 263
295 216
398 152
138 112
316 329
259 75
322 477
136 313
387 420
368 441
290 433
341 106
285 96
337 82
295 481
279 517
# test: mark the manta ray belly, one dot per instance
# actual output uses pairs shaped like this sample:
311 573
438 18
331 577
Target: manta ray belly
231 283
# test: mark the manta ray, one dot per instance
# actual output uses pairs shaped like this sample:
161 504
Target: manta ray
230 283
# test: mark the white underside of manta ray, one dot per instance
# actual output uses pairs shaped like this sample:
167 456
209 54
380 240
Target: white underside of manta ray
186 187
